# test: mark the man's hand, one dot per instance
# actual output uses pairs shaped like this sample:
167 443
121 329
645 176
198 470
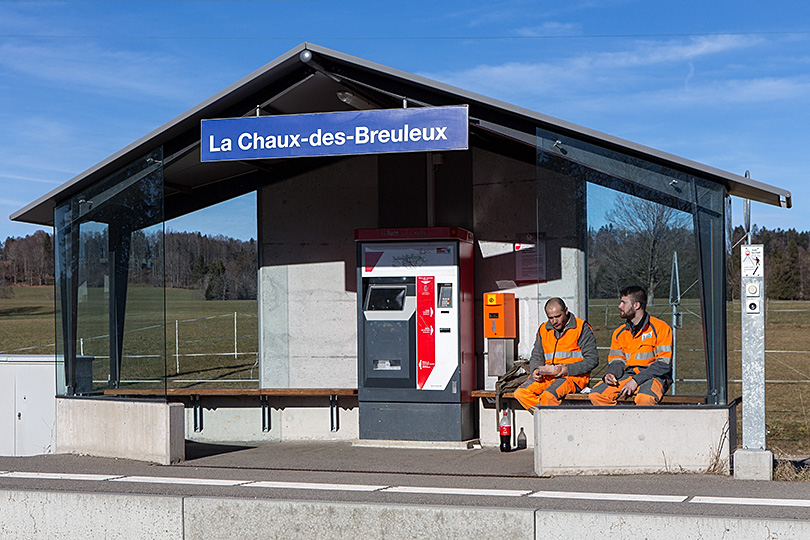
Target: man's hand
610 379
561 371
550 371
629 387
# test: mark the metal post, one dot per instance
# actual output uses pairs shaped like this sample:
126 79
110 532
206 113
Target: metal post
266 425
334 412
235 352
753 461
675 301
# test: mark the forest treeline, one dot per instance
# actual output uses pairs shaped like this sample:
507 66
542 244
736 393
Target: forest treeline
221 268
620 255
622 251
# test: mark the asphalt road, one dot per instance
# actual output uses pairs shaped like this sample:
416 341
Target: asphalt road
338 471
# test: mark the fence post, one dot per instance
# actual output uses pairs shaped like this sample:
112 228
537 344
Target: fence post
235 353
177 345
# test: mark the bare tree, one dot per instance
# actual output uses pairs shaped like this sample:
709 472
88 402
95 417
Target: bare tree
638 244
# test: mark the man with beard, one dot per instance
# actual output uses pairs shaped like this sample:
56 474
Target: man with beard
563 356
640 358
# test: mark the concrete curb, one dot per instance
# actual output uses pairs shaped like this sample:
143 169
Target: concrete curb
70 515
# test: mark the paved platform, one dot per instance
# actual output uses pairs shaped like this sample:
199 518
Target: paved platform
270 488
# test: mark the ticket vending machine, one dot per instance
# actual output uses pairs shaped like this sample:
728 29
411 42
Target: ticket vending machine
416 356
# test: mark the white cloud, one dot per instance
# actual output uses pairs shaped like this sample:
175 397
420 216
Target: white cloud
15 177
737 91
92 68
12 203
550 29
672 73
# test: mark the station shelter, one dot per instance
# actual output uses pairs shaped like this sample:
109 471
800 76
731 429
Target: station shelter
534 193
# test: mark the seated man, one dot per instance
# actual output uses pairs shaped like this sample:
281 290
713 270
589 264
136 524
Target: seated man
563 356
640 359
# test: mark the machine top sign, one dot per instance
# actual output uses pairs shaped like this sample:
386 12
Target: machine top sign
426 129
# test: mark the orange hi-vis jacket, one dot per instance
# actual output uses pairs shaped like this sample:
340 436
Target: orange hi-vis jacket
647 352
574 345
564 350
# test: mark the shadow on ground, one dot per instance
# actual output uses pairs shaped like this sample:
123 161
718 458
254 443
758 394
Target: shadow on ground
197 450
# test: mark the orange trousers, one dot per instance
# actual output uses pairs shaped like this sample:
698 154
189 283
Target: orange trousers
548 390
648 393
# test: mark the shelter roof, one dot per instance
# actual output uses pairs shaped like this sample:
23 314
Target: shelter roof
308 79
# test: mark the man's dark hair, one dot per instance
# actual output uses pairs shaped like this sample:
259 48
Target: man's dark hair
636 294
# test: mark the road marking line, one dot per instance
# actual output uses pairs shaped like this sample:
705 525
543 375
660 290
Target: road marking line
180 480
302 485
457 491
609 496
751 501
61 476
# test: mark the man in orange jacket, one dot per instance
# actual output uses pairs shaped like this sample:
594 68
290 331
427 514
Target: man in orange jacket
640 358
563 356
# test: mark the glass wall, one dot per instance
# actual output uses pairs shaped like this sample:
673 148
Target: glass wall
110 283
211 296
646 224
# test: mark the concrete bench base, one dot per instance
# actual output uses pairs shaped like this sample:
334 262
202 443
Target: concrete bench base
633 440
142 430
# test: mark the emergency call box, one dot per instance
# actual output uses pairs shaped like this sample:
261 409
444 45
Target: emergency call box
499 316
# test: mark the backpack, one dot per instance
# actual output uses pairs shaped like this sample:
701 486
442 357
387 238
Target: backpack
511 380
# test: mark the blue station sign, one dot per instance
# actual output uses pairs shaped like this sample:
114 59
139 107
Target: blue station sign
426 129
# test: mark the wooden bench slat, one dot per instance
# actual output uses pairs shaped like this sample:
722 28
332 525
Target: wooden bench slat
308 391
230 392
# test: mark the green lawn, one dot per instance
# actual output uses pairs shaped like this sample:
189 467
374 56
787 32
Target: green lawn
193 346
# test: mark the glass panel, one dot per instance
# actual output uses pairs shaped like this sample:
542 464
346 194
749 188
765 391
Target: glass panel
93 309
712 245
211 296
639 215
110 298
634 241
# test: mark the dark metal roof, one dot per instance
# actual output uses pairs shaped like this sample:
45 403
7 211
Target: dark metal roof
306 79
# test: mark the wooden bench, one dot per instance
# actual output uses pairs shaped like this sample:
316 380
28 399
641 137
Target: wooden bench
666 400
195 395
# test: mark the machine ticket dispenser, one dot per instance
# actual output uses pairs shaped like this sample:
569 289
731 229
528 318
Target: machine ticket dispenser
416 361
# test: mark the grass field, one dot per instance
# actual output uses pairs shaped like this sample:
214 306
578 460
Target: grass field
203 353
195 346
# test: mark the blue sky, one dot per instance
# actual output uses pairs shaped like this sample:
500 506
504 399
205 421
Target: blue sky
725 83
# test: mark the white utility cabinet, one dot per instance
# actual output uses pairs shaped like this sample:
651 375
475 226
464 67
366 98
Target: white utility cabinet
27 405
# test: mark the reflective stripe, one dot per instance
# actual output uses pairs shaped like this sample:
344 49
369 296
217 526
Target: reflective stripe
644 355
559 354
616 352
663 348
617 361
665 359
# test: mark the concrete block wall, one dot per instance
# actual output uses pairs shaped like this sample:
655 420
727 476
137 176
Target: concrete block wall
633 440
307 274
142 430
